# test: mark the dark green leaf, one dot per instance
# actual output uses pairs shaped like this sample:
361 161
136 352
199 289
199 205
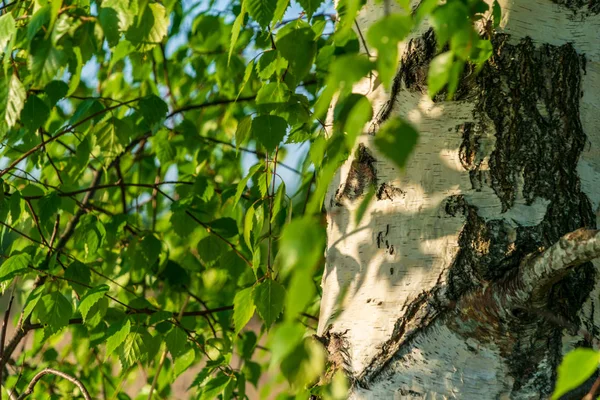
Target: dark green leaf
269 297
396 139
269 130
262 11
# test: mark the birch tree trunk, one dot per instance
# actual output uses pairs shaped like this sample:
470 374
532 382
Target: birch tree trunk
469 276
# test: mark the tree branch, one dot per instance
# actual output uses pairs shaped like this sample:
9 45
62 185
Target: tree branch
59 134
538 273
63 375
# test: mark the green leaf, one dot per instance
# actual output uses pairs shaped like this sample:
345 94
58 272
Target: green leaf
54 310
132 350
79 276
576 367
248 225
299 48
235 32
450 19
439 72
269 130
384 35
262 11
360 114
32 300
243 308
111 135
310 6
210 249
56 90
300 292
150 29
301 245
91 297
125 10
91 233
38 19
15 265
116 335
176 341
396 139
278 201
342 78
214 387
165 152
159 316
269 297
183 362
269 63
242 133
247 75
12 99
109 21
34 113
153 109
45 60
496 13
272 93
7 30
282 6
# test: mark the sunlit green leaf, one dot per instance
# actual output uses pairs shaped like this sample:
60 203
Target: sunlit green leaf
576 367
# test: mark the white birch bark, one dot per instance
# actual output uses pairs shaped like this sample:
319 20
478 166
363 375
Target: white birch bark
426 297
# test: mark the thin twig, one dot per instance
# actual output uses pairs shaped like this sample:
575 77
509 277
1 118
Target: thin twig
37 222
163 356
63 375
4 327
59 134
209 104
121 185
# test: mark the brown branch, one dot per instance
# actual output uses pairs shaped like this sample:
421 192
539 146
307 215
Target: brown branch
61 133
167 82
121 185
3 334
210 104
48 155
63 375
163 356
591 395
36 222
199 313
247 150
210 231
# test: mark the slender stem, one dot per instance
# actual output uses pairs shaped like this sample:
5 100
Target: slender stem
3 334
121 185
61 133
63 375
163 356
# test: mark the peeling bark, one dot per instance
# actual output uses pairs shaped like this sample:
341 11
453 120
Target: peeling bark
469 276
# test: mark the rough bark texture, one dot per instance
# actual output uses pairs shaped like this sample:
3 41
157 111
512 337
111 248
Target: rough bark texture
426 297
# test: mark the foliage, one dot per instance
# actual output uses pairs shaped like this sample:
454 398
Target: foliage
144 210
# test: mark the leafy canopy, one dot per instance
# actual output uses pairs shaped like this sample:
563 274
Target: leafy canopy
158 203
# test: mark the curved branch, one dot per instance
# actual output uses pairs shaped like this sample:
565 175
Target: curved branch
52 371
537 274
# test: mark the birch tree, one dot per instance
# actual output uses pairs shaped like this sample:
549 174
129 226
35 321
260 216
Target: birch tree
471 272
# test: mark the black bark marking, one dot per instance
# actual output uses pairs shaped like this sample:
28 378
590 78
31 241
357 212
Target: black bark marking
361 177
531 94
388 192
580 6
